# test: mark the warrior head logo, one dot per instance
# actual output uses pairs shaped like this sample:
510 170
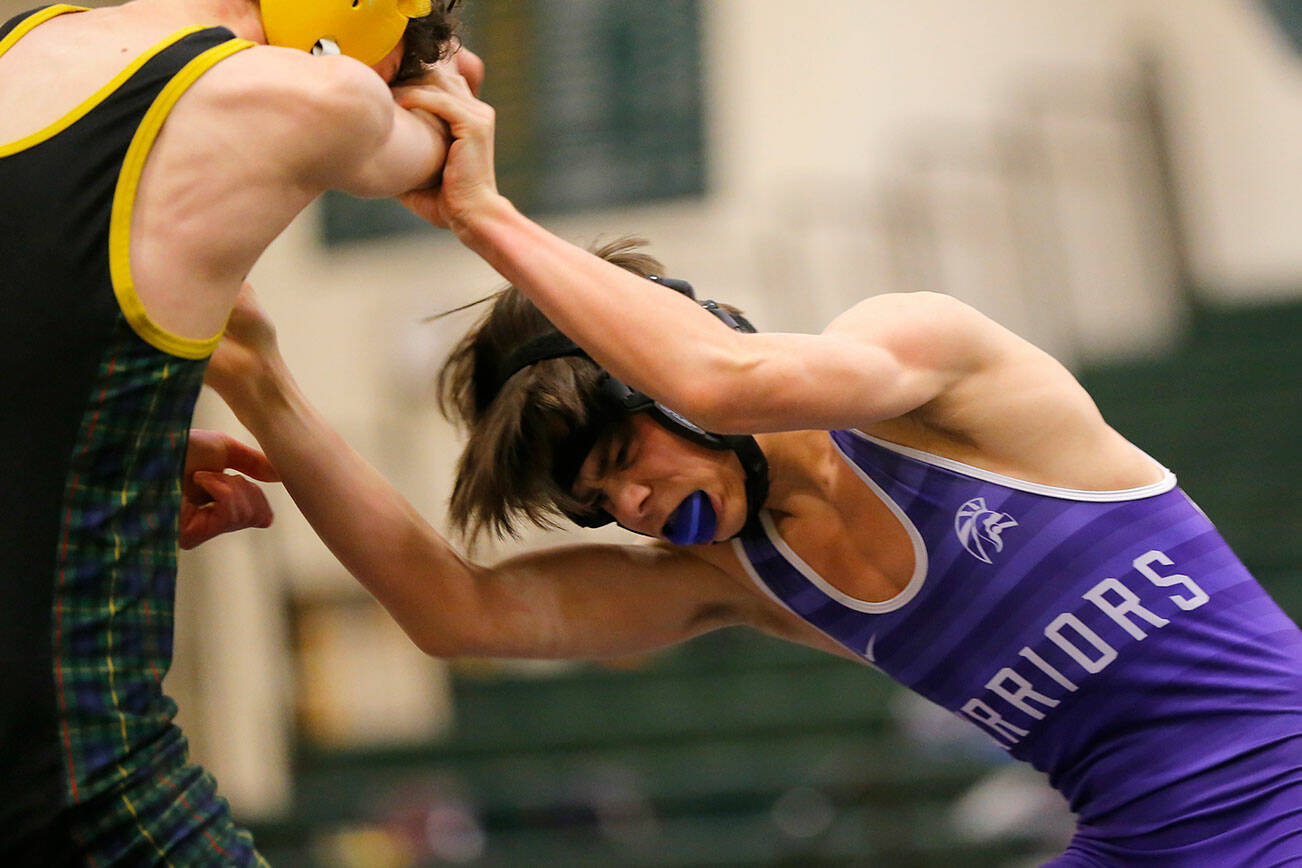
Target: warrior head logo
980 528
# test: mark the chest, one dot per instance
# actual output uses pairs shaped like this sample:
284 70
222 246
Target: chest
855 540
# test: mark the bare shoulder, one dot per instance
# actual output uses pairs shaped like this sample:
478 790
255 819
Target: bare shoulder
293 104
267 72
899 317
933 334
1011 408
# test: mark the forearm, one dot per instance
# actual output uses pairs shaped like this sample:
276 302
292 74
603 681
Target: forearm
887 357
368 525
648 336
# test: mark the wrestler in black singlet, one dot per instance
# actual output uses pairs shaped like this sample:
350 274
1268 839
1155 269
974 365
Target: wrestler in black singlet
96 406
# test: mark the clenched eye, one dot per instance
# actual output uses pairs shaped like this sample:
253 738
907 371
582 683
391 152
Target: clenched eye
622 455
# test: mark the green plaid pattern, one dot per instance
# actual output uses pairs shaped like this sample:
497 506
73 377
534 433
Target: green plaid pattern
133 797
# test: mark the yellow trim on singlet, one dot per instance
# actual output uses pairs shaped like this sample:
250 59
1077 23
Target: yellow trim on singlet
124 199
94 99
36 20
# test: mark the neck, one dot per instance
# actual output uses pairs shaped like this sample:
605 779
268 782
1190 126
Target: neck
801 466
241 17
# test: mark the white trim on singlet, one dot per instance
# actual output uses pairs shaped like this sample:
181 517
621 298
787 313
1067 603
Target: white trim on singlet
881 607
1162 486
739 549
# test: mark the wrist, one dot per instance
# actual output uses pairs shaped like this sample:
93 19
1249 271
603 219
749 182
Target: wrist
260 394
476 226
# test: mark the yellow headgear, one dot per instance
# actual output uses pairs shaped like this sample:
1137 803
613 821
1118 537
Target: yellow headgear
363 29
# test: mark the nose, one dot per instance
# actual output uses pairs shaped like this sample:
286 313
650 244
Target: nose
629 501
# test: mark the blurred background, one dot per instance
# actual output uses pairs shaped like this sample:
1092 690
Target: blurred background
1118 180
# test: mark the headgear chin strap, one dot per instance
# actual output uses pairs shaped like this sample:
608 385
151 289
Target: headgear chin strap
366 30
618 401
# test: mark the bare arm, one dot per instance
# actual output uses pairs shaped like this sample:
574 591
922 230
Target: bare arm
326 123
413 143
364 143
577 601
886 358
959 383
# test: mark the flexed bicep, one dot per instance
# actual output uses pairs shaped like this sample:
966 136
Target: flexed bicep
888 356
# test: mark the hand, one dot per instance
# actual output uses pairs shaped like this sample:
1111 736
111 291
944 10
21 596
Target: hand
214 502
469 66
463 62
469 182
247 352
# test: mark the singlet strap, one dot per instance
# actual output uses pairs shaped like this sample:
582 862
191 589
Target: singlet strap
124 199
89 103
20 25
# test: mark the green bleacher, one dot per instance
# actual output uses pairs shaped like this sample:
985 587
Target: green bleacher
740 750
1225 413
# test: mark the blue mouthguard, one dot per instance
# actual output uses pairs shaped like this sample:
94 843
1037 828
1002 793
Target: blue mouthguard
693 522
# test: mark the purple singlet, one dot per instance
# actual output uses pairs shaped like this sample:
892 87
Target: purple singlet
1110 639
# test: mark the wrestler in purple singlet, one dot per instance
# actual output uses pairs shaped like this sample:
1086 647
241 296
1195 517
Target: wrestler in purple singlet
1110 639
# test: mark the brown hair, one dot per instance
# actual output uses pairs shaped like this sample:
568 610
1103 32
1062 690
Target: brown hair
429 39
505 472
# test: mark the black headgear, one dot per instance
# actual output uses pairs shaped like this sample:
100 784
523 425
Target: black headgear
617 401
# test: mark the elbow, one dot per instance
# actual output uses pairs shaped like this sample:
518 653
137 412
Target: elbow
468 618
445 639
440 606
437 644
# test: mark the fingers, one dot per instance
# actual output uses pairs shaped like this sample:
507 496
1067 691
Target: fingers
205 448
425 205
249 461
468 178
205 452
214 450
438 125
235 504
439 79
436 101
470 66
466 118
215 502
198 525
465 67
241 503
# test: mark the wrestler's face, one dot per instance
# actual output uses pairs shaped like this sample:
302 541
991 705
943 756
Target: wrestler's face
643 472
